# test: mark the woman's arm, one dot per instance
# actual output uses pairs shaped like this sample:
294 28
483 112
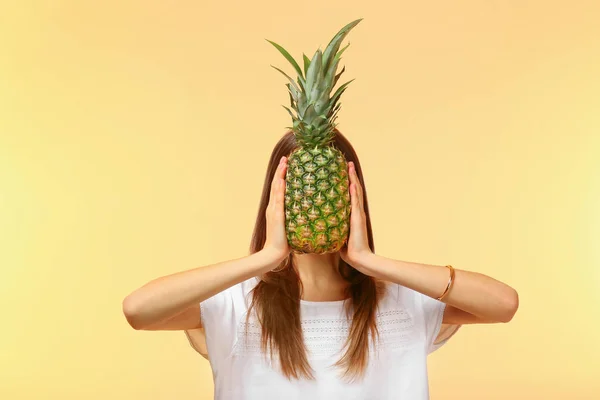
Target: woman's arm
480 297
168 297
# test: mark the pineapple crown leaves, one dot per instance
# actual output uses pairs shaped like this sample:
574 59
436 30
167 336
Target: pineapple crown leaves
310 95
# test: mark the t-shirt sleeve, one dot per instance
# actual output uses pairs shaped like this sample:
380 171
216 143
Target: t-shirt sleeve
220 315
433 314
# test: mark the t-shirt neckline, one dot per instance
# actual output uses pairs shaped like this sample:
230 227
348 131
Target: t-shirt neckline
322 303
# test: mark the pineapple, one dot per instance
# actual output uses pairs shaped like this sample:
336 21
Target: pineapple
317 198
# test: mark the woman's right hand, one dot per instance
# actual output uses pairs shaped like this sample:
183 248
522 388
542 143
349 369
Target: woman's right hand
276 242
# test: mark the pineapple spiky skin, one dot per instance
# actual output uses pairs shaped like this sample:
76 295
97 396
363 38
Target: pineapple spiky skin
317 198
317 201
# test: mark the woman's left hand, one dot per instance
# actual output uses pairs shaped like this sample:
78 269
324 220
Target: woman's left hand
357 250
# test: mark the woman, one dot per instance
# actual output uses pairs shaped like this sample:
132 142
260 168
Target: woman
346 325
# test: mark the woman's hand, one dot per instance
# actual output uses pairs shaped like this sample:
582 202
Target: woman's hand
276 243
357 250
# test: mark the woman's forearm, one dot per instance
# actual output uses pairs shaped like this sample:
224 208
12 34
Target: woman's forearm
472 292
168 295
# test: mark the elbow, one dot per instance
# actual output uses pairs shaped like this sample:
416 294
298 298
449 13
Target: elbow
511 305
131 312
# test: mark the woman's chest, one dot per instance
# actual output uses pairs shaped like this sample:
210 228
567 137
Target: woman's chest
325 333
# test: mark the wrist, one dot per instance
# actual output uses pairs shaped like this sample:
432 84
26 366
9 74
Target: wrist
368 262
272 257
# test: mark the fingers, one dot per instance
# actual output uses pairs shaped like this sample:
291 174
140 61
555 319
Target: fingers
280 194
283 167
279 174
354 197
275 214
281 179
356 193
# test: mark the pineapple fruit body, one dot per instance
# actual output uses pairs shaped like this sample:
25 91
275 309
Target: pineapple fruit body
317 201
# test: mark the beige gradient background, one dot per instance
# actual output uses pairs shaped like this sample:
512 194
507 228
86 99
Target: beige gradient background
134 137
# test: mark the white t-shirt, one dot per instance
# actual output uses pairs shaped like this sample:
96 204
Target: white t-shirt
408 324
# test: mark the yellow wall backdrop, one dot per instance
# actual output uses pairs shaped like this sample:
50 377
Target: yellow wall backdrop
134 138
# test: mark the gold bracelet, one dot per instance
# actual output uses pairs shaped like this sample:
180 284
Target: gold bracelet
450 282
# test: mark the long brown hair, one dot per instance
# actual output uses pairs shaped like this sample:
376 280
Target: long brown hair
276 297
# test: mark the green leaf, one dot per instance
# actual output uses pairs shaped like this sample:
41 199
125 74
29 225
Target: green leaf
301 82
313 71
322 103
314 94
290 112
333 109
302 104
309 114
339 53
306 62
292 101
327 84
334 115
339 92
334 44
338 76
287 56
293 91
320 120
287 76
